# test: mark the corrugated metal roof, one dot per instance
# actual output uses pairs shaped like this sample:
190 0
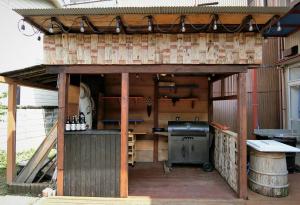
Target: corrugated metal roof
151 10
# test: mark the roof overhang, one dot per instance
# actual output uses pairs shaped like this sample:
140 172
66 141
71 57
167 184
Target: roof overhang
165 19
290 23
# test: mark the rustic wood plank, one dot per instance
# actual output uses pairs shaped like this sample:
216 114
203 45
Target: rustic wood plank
242 135
63 82
124 135
153 68
229 97
36 162
11 133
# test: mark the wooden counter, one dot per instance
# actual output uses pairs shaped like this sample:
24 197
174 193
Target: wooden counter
92 163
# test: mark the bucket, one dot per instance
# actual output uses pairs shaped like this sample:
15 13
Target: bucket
268 174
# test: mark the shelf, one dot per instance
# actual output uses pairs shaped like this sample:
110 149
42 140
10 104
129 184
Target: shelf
119 98
178 99
111 121
187 86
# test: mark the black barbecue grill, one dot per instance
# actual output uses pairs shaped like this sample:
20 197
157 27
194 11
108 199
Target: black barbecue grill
188 142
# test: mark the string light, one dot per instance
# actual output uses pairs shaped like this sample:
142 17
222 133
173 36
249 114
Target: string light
118 29
215 27
50 29
150 28
279 28
250 25
151 22
81 26
182 24
23 26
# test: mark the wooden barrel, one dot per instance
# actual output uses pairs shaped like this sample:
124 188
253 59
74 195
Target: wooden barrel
268 174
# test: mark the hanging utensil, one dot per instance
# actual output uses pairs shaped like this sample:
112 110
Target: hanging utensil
149 106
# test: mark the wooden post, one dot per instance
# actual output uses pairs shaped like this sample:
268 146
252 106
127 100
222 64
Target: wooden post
254 102
11 134
124 135
242 135
63 81
210 101
155 121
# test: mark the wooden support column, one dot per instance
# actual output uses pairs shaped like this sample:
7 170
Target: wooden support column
242 135
63 83
210 101
11 134
124 135
155 121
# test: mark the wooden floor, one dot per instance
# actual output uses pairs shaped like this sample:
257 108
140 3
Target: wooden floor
148 179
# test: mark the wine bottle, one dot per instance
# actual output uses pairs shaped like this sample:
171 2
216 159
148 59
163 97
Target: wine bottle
68 125
82 121
77 124
73 126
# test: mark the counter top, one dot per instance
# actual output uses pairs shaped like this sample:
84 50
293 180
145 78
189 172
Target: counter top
93 132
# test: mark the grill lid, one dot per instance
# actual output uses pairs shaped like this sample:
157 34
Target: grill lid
188 126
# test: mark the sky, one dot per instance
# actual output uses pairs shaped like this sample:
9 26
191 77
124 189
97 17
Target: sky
16 50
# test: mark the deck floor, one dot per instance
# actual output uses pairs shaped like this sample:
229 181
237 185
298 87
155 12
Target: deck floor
149 179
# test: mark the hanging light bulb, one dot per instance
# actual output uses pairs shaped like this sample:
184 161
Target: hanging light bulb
183 24
250 25
279 27
23 26
215 27
150 23
118 29
50 29
81 26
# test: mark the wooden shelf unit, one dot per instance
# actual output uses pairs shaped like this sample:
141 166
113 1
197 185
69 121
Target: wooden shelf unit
131 149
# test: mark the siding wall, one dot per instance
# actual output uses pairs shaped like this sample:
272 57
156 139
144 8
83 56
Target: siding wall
200 48
267 94
35 117
292 40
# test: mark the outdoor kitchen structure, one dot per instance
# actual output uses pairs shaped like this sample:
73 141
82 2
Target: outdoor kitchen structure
151 72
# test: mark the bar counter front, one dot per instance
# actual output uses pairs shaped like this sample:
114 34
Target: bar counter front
92 163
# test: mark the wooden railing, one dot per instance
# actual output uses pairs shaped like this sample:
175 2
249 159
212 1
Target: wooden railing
226 156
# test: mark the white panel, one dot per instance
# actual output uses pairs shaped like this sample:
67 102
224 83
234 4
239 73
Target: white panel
38 97
271 146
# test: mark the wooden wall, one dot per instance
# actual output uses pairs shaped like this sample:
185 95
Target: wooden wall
92 165
200 48
143 85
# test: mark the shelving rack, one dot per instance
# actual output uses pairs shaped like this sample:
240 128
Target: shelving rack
131 149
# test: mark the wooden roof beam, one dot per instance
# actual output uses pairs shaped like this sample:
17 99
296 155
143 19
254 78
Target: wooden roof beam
62 27
90 24
269 24
150 68
8 80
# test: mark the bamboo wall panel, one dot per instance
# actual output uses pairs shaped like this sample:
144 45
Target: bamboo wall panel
225 156
200 48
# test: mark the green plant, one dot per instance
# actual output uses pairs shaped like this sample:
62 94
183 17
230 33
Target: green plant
20 156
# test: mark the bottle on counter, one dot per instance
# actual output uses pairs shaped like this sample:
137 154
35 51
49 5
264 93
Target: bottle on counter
73 123
68 124
82 121
77 123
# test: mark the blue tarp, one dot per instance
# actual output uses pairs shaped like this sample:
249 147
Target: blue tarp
290 23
